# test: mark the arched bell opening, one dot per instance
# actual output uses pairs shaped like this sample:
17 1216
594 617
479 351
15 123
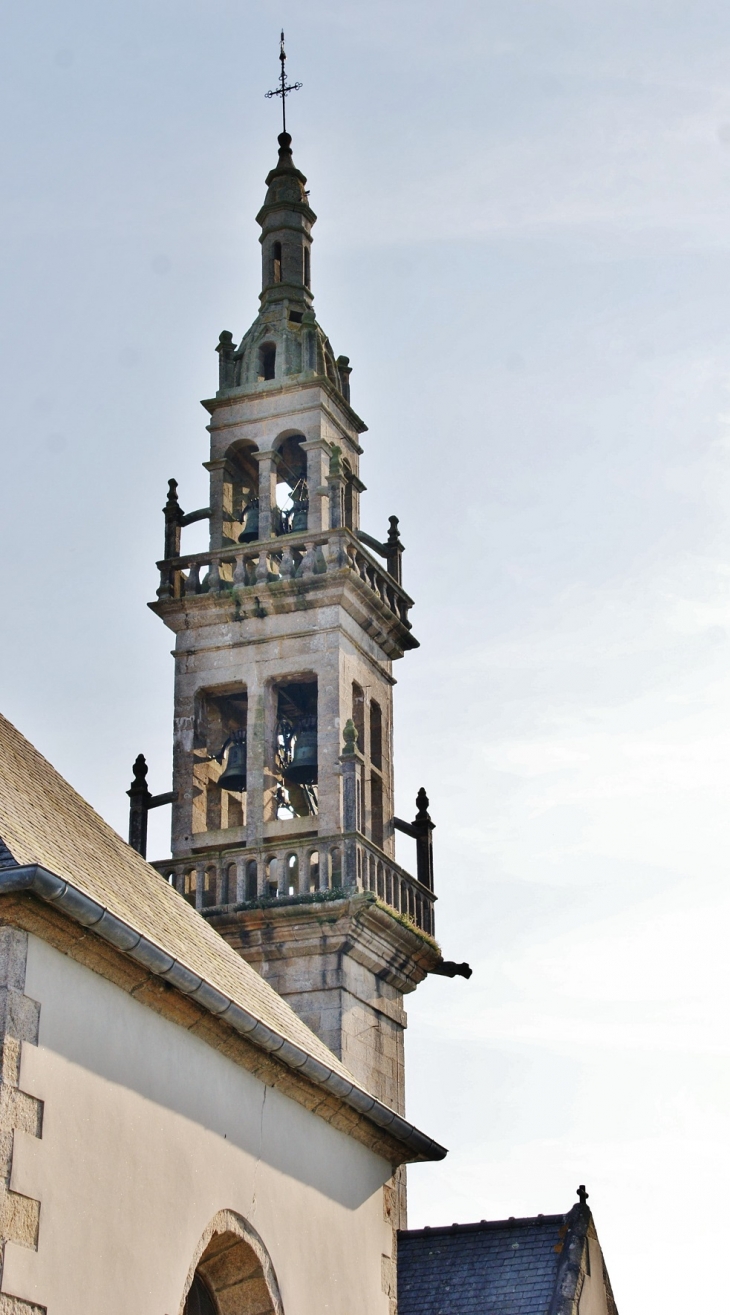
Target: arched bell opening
220 759
296 764
292 490
232 1272
241 495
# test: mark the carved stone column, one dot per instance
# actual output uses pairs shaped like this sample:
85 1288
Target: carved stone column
317 450
352 764
217 470
268 463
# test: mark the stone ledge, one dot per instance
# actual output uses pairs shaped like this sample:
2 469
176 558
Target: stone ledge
328 922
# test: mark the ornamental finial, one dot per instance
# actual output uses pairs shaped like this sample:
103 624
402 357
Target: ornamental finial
284 88
349 735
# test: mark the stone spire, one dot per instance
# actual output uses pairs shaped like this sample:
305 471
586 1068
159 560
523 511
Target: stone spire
285 344
286 220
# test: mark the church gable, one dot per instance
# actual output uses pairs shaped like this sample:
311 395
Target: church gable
547 1265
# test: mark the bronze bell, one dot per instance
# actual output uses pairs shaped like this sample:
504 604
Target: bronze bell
303 767
299 514
234 776
299 517
250 522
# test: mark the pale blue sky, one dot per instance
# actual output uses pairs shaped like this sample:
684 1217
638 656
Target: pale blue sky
523 246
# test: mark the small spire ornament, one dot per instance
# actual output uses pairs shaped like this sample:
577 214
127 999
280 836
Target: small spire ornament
284 88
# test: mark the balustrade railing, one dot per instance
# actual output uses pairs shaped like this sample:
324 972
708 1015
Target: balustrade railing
300 869
379 580
289 557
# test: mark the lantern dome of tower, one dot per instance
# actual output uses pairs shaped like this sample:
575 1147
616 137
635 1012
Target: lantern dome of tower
285 343
285 186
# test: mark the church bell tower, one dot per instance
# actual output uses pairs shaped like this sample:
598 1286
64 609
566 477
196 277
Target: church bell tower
286 631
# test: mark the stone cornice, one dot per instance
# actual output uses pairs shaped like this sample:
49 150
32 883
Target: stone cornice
370 932
297 383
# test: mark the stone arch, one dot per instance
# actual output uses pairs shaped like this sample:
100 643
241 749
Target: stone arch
241 475
292 491
235 1268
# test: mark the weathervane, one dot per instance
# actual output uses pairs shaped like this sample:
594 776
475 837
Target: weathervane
284 89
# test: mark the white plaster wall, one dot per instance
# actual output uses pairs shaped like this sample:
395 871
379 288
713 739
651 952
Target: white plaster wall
593 1293
147 1134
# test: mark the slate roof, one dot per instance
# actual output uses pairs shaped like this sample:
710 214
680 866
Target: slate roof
507 1267
51 833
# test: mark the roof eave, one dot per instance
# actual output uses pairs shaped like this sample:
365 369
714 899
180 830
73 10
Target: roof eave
88 913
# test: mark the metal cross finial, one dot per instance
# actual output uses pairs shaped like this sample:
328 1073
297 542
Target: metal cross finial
285 88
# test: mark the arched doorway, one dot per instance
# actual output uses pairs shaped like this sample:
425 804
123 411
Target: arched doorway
232 1273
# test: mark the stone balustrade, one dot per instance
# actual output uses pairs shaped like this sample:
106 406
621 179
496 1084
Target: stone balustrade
290 557
303 870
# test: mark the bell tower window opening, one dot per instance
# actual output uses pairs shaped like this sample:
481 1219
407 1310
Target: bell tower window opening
276 262
376 735
292 491
212 807
235 812
349 497
267 361
241 497
220 747
295 750
376 810
307 268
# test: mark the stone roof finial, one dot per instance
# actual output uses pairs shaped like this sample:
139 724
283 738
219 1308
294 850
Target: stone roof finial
422 802
349 735
140 769
582 1194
